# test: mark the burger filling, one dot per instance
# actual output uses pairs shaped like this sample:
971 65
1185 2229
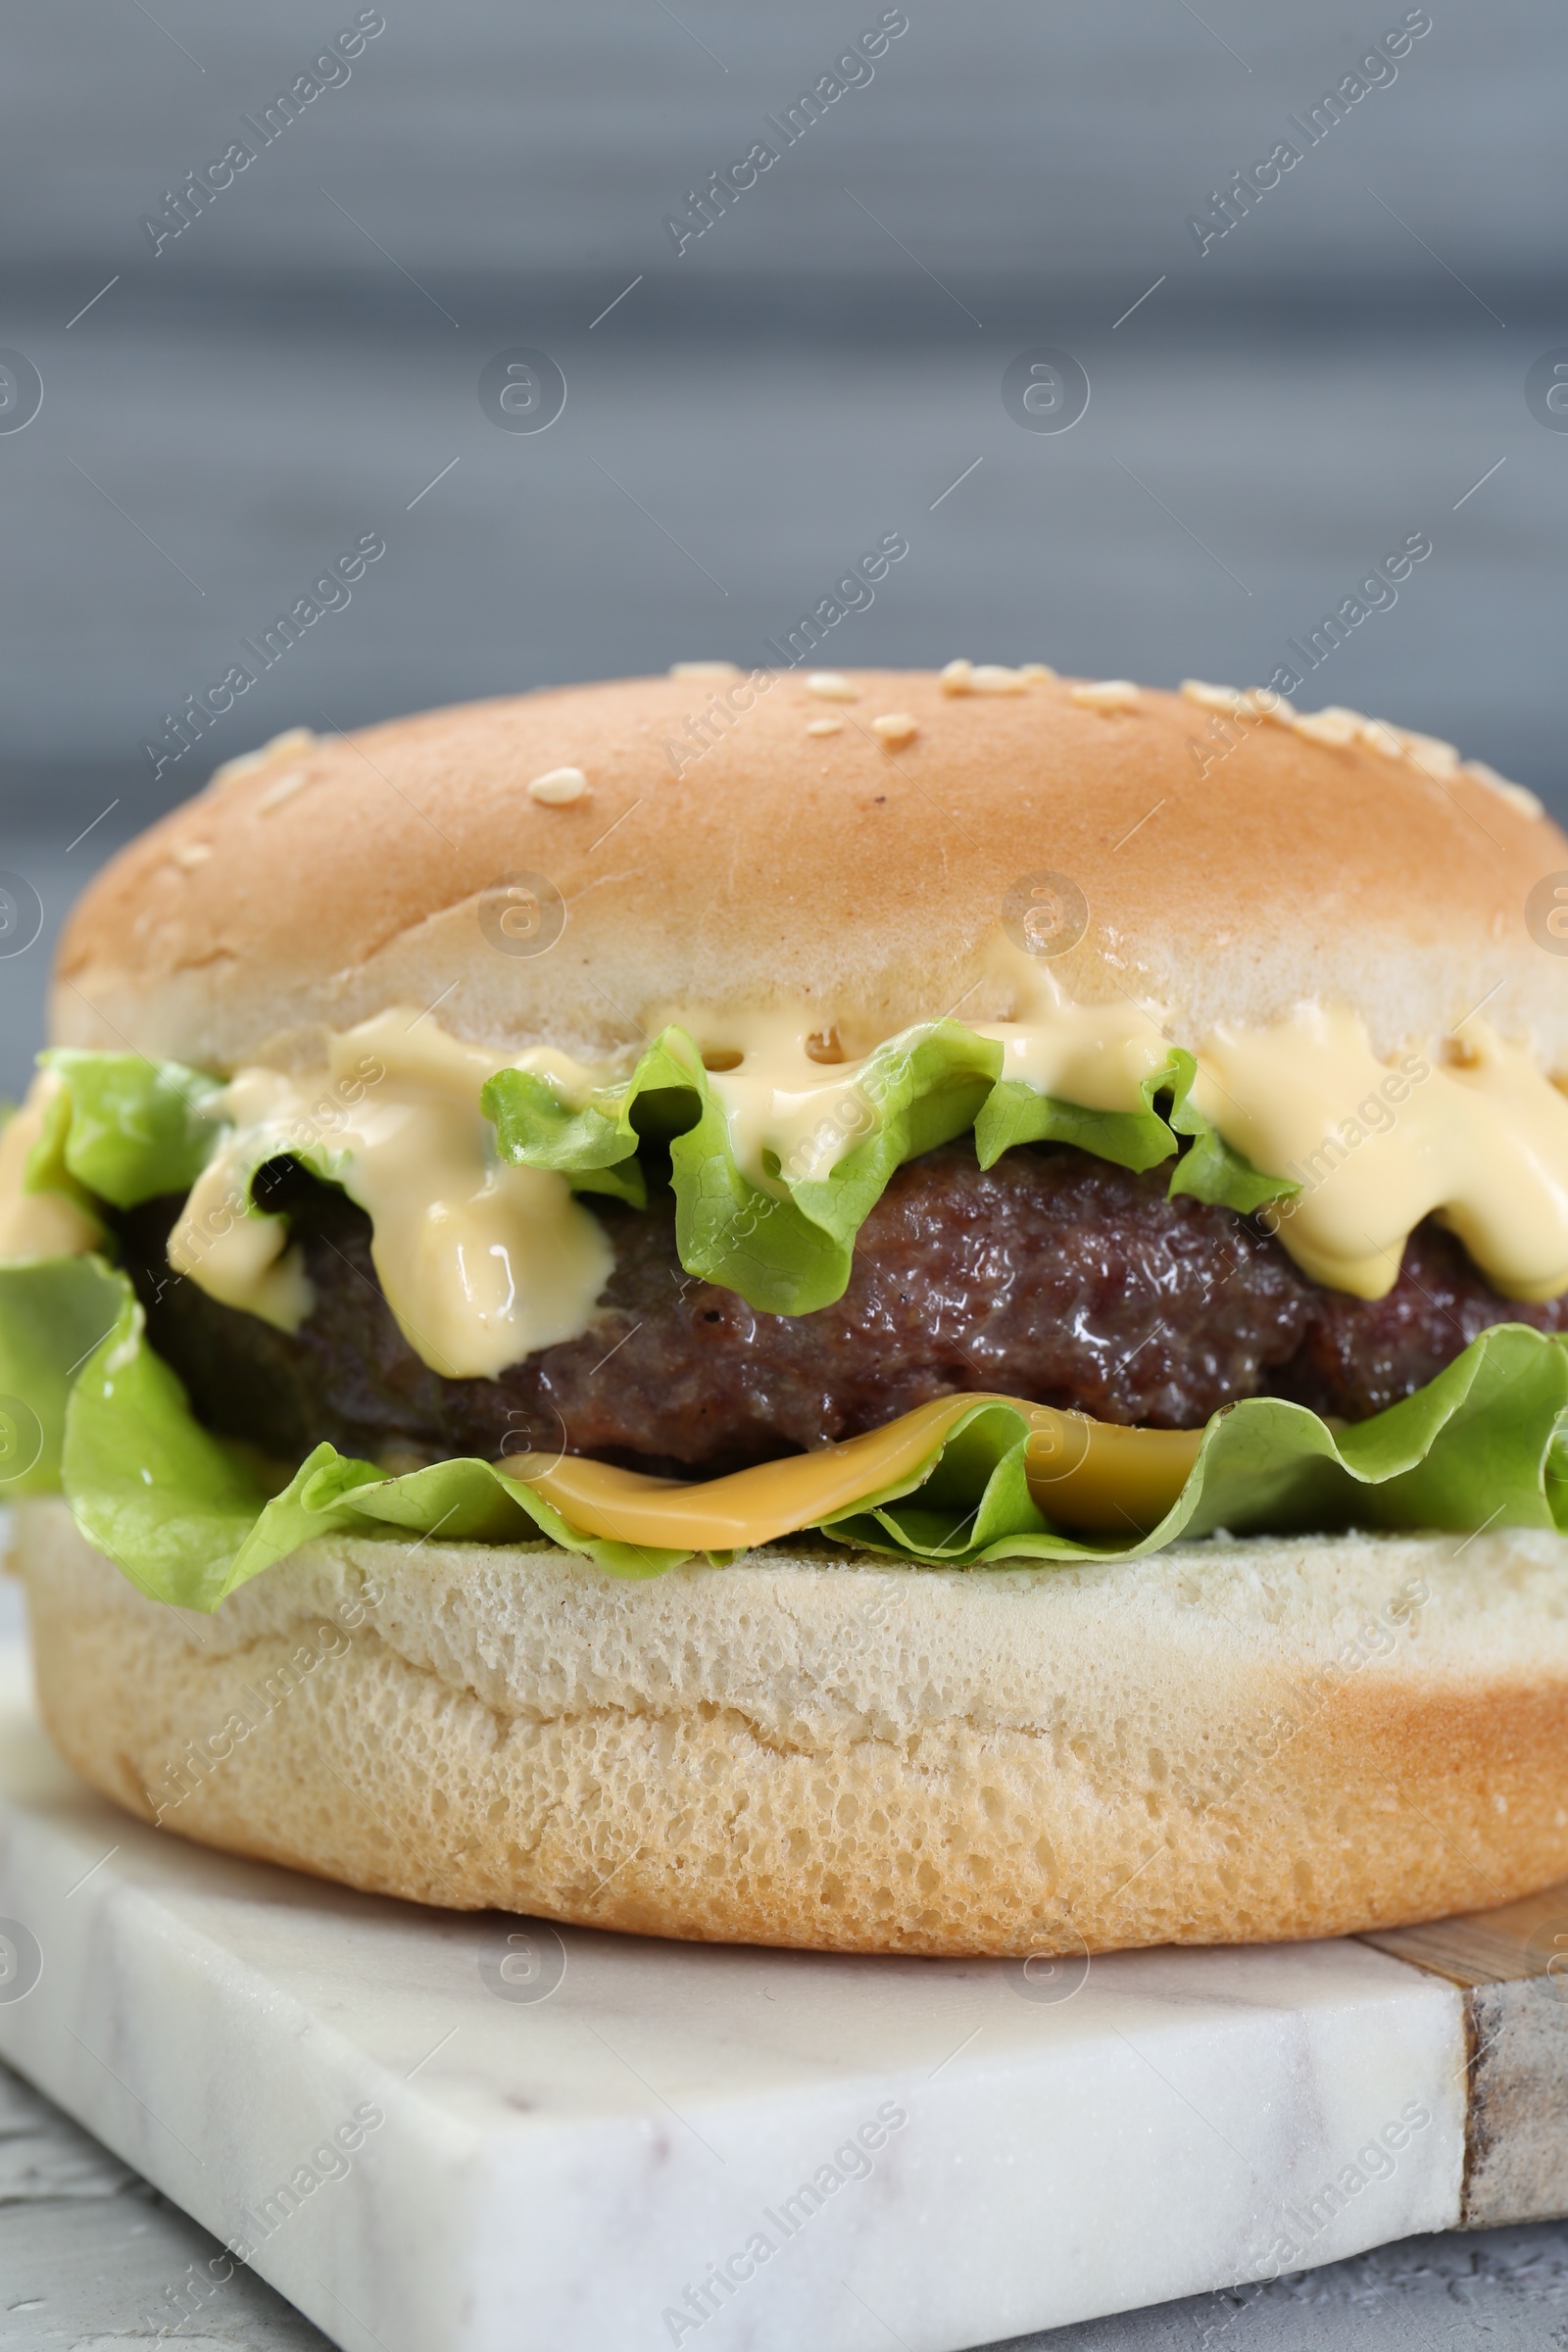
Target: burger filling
1050 1289
1053 1275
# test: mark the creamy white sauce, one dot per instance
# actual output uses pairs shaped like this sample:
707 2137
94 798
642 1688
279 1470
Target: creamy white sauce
1376 1147
35 1224
781 1102
228 1248
1097 1056
481 1264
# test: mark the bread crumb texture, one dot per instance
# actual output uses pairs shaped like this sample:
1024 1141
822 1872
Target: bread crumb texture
1230 1742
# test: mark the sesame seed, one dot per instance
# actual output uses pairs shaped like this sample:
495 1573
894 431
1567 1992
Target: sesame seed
1428 753
1378 736
1109 695
1226 698
1334 725
703 670
291 742
557 787
896 727
283 790
1517 795
191 853
244 763
1268 704
824 727
956 678
1037 673
284 746
830 686
991 677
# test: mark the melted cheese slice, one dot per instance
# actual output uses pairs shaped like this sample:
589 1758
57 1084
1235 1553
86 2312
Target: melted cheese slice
1086 1474
481 1264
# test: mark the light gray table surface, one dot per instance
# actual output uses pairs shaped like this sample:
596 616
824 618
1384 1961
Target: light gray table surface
90 2257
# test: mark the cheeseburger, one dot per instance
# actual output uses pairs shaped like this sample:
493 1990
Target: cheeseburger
897 1312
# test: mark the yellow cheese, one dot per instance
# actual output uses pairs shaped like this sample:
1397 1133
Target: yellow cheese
1084 1474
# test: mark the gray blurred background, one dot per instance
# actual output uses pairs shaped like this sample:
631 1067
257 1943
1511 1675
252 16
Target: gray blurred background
1347 366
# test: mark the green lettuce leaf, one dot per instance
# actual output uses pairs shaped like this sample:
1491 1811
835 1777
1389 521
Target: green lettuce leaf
786 1252
1016 1113
53 1313
187 1521
1211 1168
122 1128
1476 1448
45 1169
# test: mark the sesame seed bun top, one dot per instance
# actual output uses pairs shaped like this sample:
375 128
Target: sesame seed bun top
727 840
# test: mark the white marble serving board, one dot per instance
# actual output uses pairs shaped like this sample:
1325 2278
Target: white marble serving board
937 2153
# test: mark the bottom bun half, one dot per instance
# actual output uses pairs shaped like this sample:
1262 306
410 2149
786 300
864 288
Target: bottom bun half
1232 1741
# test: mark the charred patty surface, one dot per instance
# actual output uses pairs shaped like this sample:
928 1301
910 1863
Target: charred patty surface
1054 1276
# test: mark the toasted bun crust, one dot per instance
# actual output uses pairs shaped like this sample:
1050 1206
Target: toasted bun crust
327 883
1280 1738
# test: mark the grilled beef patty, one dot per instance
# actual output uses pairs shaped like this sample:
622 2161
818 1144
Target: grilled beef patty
1053 1275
